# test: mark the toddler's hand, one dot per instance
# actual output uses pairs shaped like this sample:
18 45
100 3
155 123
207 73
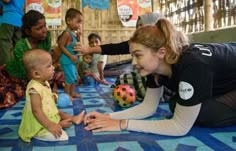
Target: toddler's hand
66 123
74 58
55 129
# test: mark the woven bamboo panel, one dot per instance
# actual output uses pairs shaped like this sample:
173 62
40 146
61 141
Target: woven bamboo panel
106 23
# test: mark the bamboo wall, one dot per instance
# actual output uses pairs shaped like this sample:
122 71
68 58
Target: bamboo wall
193 16
104 22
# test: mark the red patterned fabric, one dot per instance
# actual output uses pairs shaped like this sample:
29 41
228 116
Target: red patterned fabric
11 89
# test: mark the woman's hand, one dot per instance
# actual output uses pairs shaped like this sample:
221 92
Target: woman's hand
80 48
86 50
94 115
102 124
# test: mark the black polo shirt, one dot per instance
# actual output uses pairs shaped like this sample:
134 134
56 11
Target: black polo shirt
203 71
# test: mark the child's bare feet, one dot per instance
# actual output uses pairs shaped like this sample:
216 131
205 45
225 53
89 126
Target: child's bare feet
78 118
105 82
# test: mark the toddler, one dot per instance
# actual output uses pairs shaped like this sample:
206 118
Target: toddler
40 118
88 77
69 58
99 61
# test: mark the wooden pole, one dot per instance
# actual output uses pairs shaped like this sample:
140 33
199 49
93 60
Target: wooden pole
208 19
156 6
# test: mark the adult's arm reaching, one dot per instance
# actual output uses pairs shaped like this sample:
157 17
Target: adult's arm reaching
115 48
179 125
106 49
147 108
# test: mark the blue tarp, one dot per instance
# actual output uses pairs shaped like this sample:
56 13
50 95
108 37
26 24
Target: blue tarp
96 4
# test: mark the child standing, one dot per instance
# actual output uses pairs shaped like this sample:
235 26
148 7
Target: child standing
41 119
68 59
87 76
99 61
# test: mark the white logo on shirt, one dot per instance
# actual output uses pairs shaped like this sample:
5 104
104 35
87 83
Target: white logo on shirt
185 90
205 51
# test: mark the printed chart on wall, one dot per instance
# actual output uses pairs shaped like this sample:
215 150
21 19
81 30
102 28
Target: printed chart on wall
129 10
50 8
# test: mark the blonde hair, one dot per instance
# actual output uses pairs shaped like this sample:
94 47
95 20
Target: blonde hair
32 59
162 34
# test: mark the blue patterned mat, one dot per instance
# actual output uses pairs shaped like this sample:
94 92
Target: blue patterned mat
99 98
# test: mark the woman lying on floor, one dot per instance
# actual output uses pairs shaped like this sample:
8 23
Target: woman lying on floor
203 77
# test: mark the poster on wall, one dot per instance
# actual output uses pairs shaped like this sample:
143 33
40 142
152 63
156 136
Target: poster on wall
50 8
129 10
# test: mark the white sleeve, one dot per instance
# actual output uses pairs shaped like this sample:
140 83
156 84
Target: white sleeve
103 58
180 124
144 109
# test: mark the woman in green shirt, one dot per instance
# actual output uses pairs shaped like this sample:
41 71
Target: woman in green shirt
13 76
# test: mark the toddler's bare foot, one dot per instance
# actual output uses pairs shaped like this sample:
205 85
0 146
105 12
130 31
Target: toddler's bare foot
78 118
105 82
72 99
76 95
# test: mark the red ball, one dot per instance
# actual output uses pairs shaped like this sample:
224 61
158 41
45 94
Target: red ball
124 95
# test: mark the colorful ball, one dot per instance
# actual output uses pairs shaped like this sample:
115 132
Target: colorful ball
124 95
63 100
